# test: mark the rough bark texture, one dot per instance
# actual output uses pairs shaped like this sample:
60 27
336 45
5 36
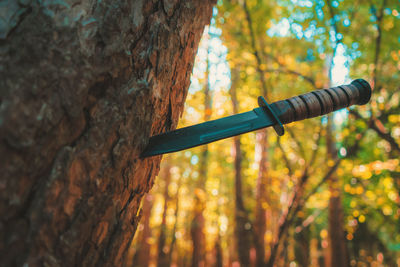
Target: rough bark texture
142 255
83 86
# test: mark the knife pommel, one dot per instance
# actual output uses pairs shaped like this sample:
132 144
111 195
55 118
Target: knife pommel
322 101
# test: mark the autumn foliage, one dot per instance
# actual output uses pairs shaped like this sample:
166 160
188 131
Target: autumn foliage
324 194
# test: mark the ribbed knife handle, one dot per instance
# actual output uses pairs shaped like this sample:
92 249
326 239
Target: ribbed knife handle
322 101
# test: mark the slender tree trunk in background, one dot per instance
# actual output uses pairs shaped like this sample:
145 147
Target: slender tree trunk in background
83 86
142 255
198 238
242 226
162 258
337 239
262 151
302 245
261 197
218 252
172 245
198 222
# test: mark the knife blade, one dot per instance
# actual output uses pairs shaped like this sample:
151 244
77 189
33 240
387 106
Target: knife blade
297 108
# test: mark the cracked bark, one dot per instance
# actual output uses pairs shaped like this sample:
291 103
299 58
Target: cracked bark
83 85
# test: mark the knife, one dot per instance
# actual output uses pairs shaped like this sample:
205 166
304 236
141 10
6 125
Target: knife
309 105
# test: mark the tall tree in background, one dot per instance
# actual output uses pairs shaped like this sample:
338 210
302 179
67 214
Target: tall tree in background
142 254
83 86
198 222
337 240
242 223
162 258
261 153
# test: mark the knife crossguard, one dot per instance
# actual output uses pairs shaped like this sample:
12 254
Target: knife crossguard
322 101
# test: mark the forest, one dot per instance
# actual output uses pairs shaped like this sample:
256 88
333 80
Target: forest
324 194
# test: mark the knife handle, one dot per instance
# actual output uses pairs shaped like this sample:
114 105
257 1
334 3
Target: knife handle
322 101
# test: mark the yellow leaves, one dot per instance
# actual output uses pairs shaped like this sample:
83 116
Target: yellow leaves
388 25
247 56
370 195
380 200
387 210
354 190
394 56
393 196
387 182
349 236
394 118
268 236
347 188
200 194
298 173
323 234
345 132
366 171
359 190
250 71
366 175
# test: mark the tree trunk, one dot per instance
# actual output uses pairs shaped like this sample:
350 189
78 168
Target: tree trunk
142 255
242 226
302 245
337 239
261 197
83 86
262 153
198 222
172 245
162 259
218 252
198 238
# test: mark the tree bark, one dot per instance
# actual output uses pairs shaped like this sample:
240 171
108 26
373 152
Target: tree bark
83 86
142 255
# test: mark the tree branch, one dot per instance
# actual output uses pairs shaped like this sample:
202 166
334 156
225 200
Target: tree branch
285 158
378 41
376 125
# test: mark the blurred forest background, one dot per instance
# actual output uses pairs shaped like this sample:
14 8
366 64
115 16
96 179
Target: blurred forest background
324 194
